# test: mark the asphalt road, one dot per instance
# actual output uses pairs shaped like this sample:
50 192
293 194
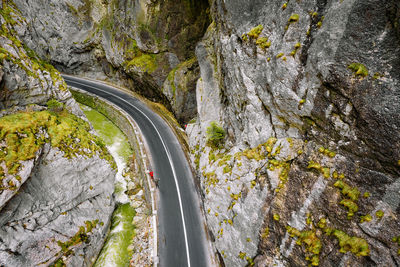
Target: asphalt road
182 238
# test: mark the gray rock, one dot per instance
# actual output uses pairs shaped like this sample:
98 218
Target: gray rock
310 94
51 206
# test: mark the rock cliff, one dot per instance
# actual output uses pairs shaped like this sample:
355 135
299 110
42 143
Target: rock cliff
308 95
135 43
56 177
302 165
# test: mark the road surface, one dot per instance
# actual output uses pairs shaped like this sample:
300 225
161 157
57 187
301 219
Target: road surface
182 238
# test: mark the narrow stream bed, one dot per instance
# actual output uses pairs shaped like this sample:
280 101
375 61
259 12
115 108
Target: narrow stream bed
115 251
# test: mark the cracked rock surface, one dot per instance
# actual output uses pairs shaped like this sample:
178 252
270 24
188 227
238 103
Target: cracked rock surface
54 207
325 86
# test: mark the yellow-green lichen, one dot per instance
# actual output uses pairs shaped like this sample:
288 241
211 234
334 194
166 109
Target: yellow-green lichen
355 245
351 192
379 214
358 69
366 218
80 237
255 32
294 18
145 62
312 243
263 43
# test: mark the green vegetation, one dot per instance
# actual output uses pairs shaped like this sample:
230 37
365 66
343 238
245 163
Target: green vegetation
80 237
325 171
120 237
143 61
296 48
379 214
255 32
355 245
23 135
109 132
327 152
215 135
263 43
352 195
146 63
358 69
366 218
351 192
311 241
293 18
53 104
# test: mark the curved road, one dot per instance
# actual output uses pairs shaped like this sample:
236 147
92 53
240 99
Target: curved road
182 239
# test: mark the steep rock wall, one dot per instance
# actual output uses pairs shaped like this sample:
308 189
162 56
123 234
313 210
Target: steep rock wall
308 94
56 177
133 43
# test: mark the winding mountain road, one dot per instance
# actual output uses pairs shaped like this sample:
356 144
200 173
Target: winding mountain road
182 239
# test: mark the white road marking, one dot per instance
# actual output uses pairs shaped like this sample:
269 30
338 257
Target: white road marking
169 159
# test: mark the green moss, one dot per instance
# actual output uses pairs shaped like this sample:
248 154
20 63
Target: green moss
351 192
279 55
294 18
314 165
20 132
351 207
379 214
355 245
59 263
211 179
215 135
284 6
366 218
276 217
255 32
227 169
366 195
358 69
312 243
263 43
109 133
117 244
53 104
80 237
224 160
145 62
396 239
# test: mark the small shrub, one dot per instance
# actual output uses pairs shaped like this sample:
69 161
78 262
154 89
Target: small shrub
215 135
53 104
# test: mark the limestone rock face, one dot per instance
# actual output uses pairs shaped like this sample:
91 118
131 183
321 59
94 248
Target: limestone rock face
56 178
180 89
50 207
321 78
136 43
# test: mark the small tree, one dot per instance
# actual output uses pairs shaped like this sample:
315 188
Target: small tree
215 135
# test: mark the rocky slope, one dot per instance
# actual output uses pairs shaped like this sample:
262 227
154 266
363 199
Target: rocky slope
56 177
308 94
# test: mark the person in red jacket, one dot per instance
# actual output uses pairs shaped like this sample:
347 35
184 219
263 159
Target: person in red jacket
152 177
